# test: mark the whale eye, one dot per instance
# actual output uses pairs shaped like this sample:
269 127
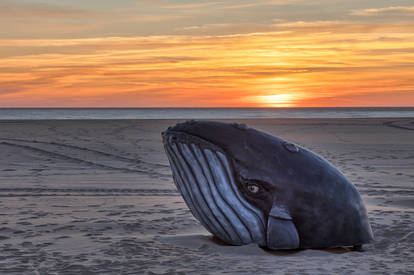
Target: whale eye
253 188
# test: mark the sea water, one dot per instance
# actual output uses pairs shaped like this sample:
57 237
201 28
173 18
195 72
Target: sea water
200 113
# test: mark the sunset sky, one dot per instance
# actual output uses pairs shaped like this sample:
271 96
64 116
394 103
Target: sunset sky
181 53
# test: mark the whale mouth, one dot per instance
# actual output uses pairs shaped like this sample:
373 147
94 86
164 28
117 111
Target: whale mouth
204 176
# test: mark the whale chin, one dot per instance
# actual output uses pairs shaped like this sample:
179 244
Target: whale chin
204 176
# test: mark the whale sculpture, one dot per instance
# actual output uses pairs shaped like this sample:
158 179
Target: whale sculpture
245 186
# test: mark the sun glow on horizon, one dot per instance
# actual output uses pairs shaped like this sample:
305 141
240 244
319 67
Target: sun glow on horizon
275 100
361 61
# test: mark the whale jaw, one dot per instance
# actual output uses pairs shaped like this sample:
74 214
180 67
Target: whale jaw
204 176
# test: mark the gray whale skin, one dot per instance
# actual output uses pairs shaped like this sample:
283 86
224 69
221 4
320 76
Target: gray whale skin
246 186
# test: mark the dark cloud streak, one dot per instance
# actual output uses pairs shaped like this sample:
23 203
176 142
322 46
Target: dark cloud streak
13 9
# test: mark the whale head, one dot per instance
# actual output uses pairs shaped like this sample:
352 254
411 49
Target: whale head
245 186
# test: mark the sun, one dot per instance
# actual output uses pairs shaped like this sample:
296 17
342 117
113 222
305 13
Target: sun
276 100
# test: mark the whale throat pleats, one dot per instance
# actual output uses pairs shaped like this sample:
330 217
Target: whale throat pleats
205 180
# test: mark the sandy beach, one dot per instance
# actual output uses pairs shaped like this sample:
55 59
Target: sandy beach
97 197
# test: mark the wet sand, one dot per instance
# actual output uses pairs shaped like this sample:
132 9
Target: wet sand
96 196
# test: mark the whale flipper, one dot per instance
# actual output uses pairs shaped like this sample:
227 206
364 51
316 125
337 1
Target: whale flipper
282 234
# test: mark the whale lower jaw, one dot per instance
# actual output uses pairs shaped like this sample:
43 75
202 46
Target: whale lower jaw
205 179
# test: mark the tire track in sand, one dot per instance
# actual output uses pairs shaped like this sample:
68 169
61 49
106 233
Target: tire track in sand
35 192
85 156
401 124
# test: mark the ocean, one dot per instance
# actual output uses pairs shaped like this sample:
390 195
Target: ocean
201 113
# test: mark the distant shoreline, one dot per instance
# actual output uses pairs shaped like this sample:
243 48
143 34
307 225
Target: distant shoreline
202 113
332 119
195 108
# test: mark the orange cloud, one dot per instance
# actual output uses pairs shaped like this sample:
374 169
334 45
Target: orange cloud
299 64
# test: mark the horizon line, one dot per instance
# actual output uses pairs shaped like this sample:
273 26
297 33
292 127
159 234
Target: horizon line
212 107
